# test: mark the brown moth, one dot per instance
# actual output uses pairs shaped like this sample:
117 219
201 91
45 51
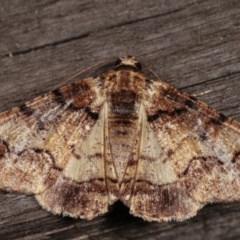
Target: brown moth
120 136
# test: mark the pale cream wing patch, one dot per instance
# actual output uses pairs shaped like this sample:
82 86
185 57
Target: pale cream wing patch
145 163
42 140
158 172
83 189
190 156
88 159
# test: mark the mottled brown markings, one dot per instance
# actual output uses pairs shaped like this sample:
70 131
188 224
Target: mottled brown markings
170 152
121 132
51 157
77 156
58 97
25 110
40 125
73 107
126 187
3 148
93 115
138 79
90 156
203 136
86 109
190 103
126 181
167 197
220 119
5 143
124 80
77 197
40 151
75 89
220 162
100 179
236 156
123 95
164 200
112 77
125 145
145 181
187 100
112 180
80 93
147 158
131 162
73 150
79 88
91 185
37 150
143 186
171 93
203 158
159 113
148 83
95 155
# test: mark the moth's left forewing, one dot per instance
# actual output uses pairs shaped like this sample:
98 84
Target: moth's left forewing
189 154
53 147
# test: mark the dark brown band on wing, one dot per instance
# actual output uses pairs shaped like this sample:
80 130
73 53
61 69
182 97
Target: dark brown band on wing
58 96
236 157
159 113
201 158
41 151
209 158
84 199
3 148
190 103
220 119
40 125
157 202
91 114
27 111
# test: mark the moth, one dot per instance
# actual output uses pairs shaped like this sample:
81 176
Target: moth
120 135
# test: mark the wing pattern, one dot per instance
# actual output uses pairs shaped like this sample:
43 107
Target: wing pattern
190 156
120 136
44 150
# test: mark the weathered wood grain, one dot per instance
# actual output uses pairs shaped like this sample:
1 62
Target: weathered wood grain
194 45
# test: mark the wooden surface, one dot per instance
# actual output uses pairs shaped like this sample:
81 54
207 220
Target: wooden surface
194 45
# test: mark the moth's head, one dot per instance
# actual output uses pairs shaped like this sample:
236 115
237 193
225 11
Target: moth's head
128 61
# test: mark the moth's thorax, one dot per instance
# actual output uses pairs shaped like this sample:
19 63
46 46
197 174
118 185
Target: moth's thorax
116 80
124 91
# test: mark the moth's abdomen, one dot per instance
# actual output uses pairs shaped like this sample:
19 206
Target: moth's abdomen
122 136
122 122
